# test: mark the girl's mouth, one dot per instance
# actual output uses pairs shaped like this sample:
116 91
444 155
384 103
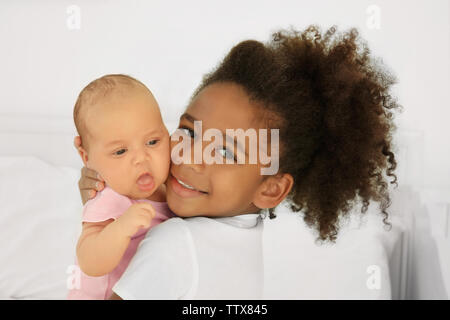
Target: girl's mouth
185 184
183 189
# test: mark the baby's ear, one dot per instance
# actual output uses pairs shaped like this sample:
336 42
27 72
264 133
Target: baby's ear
273 191
81 151
84 155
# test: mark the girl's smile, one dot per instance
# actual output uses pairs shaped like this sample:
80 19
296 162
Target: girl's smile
183 189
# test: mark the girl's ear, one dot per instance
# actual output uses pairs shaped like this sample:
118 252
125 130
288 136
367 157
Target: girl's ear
273 190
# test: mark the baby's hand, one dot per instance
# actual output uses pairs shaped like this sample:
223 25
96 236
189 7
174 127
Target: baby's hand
139 215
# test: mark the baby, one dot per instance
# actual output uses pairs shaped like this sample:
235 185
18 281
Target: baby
125 140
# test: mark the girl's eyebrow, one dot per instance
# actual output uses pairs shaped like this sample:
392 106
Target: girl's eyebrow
190 118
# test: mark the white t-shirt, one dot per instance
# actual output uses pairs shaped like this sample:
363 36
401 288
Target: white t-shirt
198 258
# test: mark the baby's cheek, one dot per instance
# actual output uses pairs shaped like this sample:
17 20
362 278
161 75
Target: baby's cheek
160 173
163 163
118 178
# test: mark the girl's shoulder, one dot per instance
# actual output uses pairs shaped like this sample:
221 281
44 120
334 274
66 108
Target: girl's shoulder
175 234
179 229
172 230
157 262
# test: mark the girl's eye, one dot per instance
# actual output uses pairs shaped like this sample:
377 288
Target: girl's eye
188 131
226 153
152 142
120 152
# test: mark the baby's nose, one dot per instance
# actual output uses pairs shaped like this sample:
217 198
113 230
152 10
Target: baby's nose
140 157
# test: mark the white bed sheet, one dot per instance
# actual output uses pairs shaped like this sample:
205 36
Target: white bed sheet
40 223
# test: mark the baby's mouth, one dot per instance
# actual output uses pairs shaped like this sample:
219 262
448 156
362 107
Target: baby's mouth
145 182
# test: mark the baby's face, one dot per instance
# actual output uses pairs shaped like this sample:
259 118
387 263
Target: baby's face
129 143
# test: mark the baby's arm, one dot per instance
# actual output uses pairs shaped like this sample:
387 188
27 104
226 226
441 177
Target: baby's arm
102 244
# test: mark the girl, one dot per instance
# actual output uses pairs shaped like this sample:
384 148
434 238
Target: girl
332 106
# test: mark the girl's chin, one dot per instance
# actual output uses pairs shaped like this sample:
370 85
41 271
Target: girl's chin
179 208
188 209
183 209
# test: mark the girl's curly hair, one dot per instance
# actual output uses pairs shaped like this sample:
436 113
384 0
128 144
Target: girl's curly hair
332 104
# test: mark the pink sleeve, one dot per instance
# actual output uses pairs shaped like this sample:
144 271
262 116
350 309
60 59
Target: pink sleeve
108 204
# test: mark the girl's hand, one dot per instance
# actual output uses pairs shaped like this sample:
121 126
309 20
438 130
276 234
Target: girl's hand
90 181
139 215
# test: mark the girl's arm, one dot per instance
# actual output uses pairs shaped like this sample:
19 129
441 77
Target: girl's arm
102 244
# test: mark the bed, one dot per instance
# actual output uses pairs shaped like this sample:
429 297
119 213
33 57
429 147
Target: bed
40 214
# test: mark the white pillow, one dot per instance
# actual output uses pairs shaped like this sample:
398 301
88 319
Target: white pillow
39 227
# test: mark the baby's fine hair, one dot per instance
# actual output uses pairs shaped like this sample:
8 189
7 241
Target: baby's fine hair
96 90
332 104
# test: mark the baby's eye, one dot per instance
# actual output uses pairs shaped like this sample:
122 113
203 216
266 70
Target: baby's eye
120 152
152 142
226 153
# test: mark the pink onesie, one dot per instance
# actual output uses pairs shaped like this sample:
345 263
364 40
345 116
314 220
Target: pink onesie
108 204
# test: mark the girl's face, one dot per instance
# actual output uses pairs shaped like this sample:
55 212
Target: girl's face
220 189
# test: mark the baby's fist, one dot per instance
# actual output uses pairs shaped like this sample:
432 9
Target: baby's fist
139 215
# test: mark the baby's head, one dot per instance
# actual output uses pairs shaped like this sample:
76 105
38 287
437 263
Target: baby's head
123 136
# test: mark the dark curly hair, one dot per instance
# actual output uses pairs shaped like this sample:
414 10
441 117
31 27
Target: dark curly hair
332 104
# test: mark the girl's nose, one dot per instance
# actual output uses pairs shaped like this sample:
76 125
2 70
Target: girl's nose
180 154
197 163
